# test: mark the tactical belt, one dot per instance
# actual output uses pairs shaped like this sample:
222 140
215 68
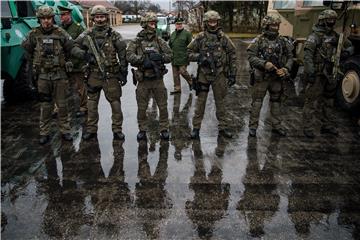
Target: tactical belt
51 70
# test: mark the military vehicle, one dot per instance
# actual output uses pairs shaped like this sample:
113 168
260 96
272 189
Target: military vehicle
17 19
163 28
298 17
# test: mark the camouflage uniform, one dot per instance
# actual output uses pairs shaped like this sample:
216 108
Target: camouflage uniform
49 49
269 49
149 54
76 76
111 51
216 57
319 49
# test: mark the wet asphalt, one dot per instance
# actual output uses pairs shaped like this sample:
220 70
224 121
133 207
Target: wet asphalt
241 188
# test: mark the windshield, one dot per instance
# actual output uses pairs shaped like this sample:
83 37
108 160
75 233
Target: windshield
5 10
284 4
162 21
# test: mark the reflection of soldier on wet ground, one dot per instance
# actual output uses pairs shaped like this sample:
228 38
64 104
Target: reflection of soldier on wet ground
151 196
180 127
211 196
64 215
261 199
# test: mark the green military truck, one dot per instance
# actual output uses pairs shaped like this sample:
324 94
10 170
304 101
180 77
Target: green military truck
298 17
17 19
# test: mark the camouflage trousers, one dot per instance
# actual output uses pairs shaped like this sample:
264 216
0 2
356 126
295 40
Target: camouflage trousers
50 92
219 88
177 71
112 91
155 88
77 86
264 83
319 97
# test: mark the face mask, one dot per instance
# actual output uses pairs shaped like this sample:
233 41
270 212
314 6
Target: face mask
330 23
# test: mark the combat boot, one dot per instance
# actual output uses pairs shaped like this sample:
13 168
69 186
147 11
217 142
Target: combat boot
195 133
67 137
225 133
252 132
141 135
329 130
279 131
88 135
119 136
309 133
44 139
164 135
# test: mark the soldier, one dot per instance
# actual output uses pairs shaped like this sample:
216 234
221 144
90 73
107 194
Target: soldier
270 57
76 76
49 46
215 54
179 40
149 53
104 51
319 51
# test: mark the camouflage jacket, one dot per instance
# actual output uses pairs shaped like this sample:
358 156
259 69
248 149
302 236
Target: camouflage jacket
218 48
74 29
144 42
49 51
110 46
277 51
319 50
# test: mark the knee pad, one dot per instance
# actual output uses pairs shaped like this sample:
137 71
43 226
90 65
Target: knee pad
92 89
43 97
204 87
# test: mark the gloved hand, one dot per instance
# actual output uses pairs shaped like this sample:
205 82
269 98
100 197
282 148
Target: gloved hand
231 80
282 72
123 79
155 56
269 66
89 58
202 60
147 63
69 67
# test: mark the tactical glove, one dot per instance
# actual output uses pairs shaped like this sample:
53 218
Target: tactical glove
202 60
123 79
157 57
269 66
231 80
69 67
89 58
147 64
282 72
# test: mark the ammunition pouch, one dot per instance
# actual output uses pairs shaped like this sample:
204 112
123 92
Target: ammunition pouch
43 97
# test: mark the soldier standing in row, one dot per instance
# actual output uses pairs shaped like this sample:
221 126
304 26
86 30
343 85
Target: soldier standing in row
178 42
76 76
319 51
49 47
271 58
103 49
216 57
148 53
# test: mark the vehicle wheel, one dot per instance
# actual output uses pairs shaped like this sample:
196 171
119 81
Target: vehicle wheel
348 92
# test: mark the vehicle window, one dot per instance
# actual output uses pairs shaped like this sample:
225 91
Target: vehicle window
25 9
5 9
284 4
162 21
309 3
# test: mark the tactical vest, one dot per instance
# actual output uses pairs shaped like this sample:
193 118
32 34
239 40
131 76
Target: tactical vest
326 50
144 46
49 54
107 50
273 51
214 47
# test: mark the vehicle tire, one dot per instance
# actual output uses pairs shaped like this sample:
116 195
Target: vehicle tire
348 92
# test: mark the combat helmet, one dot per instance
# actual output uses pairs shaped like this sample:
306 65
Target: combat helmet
45 11
149 17
269 20
98 9
327 14
211 15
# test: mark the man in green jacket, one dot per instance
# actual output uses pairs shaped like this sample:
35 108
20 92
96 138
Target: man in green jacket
179 40
76 76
